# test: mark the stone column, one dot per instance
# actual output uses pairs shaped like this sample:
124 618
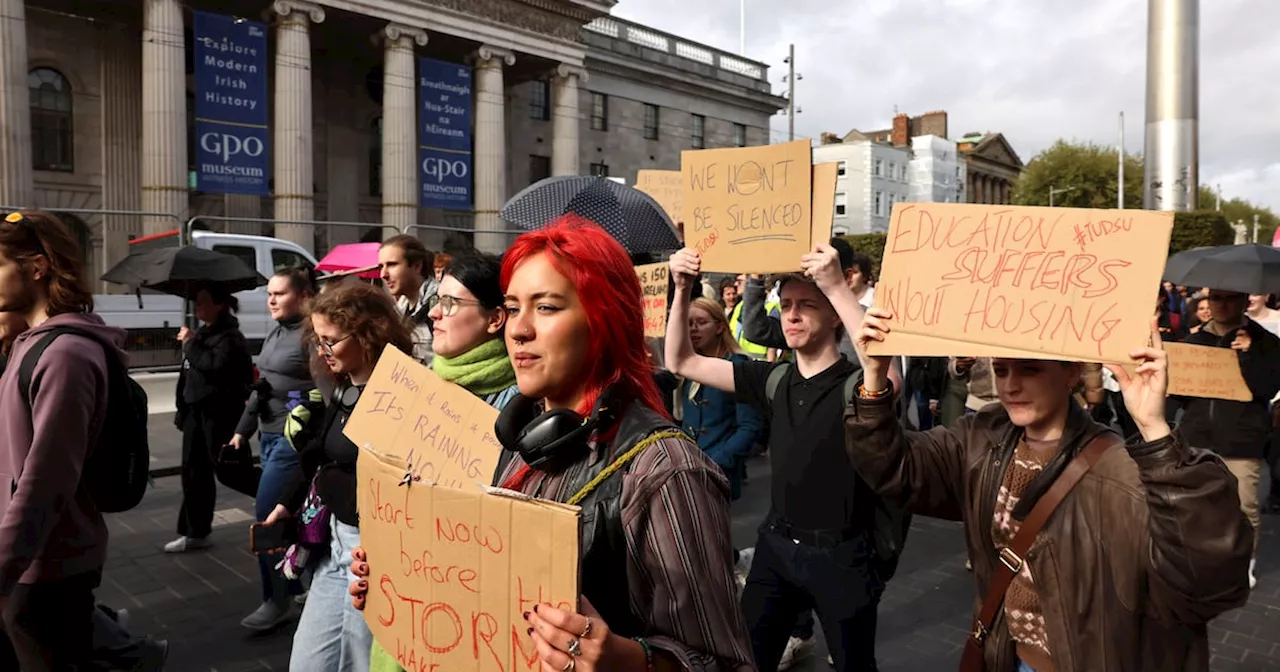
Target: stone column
490 147
566 117
164 116
347 148
121 71
294 170
17 182
400 128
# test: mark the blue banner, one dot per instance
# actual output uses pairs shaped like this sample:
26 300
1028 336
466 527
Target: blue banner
444 134
231 105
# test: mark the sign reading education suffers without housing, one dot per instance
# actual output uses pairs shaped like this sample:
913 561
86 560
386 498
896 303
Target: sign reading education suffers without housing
1031 282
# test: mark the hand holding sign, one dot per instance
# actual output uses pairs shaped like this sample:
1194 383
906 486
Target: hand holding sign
685 266
875 368
822 265
1144 390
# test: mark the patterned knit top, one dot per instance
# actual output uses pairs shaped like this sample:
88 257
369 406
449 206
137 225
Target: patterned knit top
1021 604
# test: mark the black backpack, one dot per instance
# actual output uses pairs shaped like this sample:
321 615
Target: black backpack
117 470
891 521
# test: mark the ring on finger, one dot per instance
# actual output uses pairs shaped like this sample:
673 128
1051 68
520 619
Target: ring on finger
575 648
569 666
586 631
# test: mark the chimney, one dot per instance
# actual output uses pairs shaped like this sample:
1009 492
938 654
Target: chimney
829 138
934 123
901 134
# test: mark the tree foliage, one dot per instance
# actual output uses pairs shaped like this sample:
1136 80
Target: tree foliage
870 244
1203 228
1081 175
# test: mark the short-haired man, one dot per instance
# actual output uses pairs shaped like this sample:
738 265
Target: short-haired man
406 269
1237 430
53 540
815 548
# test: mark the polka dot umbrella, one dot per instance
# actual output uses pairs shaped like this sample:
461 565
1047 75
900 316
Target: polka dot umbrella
628 214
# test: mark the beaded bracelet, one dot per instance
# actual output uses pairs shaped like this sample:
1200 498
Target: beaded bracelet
865 394
648 653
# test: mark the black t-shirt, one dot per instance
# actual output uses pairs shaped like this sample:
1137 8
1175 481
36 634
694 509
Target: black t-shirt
336 480
814 484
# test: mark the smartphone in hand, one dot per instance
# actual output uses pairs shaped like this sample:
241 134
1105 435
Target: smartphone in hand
274 538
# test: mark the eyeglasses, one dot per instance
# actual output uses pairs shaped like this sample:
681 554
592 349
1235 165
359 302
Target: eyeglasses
327 346
449 304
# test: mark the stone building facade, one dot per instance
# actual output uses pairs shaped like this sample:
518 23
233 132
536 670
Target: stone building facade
96 112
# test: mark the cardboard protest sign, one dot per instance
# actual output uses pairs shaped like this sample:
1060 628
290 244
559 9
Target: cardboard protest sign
1204 371
749 209
1027 282
443 431
667 188
824 201
653 284
451 571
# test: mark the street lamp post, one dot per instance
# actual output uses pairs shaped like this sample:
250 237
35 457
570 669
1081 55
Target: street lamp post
1054 191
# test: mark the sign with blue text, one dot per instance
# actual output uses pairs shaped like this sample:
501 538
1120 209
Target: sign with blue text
231 104
444 134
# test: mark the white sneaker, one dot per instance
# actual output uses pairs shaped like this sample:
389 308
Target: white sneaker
266 617
184 544
796 650
1253 578
742 567
122 619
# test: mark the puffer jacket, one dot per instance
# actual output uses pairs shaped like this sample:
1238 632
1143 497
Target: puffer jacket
1140 556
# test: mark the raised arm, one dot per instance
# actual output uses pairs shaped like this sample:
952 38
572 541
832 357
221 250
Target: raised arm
681 358
823 265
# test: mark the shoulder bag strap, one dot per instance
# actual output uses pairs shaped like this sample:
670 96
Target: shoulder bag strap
774 380
1011 556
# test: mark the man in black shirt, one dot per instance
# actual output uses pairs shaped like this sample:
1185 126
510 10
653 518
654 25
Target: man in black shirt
816 549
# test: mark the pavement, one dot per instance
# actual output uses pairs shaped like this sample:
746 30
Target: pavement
196 600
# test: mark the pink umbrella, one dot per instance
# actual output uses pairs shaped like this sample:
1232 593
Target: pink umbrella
352 256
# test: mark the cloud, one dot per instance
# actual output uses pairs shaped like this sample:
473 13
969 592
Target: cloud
1036 71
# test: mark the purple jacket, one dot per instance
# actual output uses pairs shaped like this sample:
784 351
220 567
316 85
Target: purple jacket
49 527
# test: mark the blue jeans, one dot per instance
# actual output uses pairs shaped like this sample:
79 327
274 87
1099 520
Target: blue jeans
278 462
1023 667
332 636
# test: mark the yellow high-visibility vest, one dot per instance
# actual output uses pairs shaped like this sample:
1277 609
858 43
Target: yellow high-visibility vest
735 323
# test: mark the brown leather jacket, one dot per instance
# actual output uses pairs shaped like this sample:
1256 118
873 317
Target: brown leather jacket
1146 550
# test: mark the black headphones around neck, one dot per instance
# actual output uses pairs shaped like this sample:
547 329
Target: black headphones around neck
556 439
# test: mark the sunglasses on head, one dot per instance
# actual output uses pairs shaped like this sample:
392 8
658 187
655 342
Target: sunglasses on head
22 221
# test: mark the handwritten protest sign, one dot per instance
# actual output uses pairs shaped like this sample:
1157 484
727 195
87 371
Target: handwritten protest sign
824 201
1030 282
653 283
749 209
667 188
1204 371
443 431
451 571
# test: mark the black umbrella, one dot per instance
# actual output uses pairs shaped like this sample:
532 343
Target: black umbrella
1248 269
182 271
631 216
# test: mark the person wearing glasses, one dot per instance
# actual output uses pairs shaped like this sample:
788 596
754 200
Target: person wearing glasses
405 264
349 327
1238 431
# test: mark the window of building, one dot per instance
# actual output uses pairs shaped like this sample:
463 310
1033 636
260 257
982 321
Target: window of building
600 170
650 122
892 171
841 167
739 135
599 112
52 139
375 157
539 168
539 100
842 202
699 131
879 168
878 206
903 168
282 260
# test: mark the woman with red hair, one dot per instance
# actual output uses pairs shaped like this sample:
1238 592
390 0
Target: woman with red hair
590 428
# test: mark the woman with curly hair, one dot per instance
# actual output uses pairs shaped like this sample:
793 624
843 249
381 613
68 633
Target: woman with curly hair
348 328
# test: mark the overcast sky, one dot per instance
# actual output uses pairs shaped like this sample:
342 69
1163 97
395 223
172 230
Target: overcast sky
1035 70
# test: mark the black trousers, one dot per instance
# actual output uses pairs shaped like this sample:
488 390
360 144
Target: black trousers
788 579
205 430
50 625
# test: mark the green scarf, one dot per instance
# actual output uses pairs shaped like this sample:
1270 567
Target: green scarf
483 370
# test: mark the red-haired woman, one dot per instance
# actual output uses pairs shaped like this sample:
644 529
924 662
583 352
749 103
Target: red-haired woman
656 555
656 566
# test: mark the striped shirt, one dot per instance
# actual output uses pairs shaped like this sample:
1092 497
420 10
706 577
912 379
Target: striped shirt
675 513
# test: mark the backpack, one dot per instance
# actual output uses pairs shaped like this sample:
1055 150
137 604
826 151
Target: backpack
891 521
117 470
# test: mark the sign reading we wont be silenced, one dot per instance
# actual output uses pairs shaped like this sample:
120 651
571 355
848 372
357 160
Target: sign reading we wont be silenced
1026 282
